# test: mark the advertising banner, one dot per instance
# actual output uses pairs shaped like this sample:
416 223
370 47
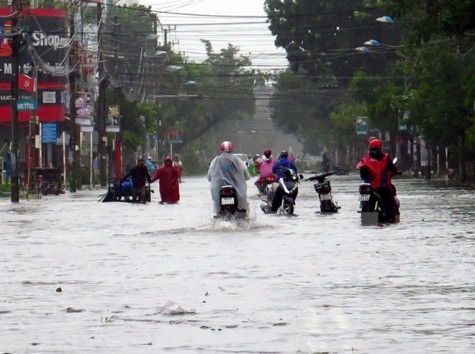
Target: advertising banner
46 31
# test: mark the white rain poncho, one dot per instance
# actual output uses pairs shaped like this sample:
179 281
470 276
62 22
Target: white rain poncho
227 169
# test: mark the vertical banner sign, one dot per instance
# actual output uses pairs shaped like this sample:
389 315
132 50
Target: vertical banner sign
112 121
361 125
49 133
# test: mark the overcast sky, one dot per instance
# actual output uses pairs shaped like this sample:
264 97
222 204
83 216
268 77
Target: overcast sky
239 22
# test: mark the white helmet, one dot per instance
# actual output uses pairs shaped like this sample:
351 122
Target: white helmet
226 146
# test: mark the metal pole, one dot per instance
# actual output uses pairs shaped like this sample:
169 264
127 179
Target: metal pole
74 130
15 188
91 158
102 112
159 137
64 159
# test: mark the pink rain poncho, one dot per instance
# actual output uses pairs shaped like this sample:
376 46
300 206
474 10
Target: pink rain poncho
227 169
265 169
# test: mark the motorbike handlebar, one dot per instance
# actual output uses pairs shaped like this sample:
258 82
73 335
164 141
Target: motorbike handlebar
321 177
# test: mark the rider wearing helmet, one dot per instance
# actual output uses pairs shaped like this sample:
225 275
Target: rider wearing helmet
281 170
227 169
265 170
282 164
377 169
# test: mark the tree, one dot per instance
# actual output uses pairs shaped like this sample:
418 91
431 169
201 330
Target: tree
320 38
225 89
441 96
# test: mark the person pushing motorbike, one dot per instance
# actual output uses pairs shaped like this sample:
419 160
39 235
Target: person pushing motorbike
139 175
227 169
377 168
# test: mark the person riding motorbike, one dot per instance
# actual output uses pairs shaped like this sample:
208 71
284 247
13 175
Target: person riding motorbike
265 170
377 168
282 164
280 169
227 169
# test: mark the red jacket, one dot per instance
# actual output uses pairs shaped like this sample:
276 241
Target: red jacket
168 176
378 170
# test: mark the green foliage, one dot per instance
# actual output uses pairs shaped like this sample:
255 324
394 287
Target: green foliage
225 89
439 101
431 19
5 189
301 107
320 36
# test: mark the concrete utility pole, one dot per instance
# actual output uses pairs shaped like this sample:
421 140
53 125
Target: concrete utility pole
102 108
74 129
15 43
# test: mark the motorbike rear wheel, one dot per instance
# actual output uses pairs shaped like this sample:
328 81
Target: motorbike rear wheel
365 207
287 209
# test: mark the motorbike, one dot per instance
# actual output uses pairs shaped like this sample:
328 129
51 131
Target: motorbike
265 185
122 191
372 206
288 188
228 203
324 191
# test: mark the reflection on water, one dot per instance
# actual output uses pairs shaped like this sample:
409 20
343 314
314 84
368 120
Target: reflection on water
80 276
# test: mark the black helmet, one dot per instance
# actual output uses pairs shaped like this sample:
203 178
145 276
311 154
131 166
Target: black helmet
284 153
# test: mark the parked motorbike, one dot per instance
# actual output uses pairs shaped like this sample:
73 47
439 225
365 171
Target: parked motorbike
372 206
265 185
229 204
324 191
288 188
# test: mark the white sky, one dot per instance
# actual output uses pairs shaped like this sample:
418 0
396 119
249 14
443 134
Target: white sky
241 23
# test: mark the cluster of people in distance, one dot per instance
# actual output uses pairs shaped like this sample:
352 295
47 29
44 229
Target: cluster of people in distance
169 175
375 168
227 169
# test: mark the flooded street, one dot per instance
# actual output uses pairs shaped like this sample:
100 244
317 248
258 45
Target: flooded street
79 276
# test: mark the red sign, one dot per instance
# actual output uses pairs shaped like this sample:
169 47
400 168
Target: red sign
26 83
50 42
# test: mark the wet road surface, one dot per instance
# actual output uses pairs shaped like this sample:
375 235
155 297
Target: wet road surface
79 276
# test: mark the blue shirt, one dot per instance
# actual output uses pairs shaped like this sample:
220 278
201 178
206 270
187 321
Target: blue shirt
280 166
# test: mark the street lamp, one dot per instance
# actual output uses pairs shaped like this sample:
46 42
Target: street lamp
385 19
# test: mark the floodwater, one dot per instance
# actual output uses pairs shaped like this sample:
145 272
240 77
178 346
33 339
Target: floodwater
80 276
